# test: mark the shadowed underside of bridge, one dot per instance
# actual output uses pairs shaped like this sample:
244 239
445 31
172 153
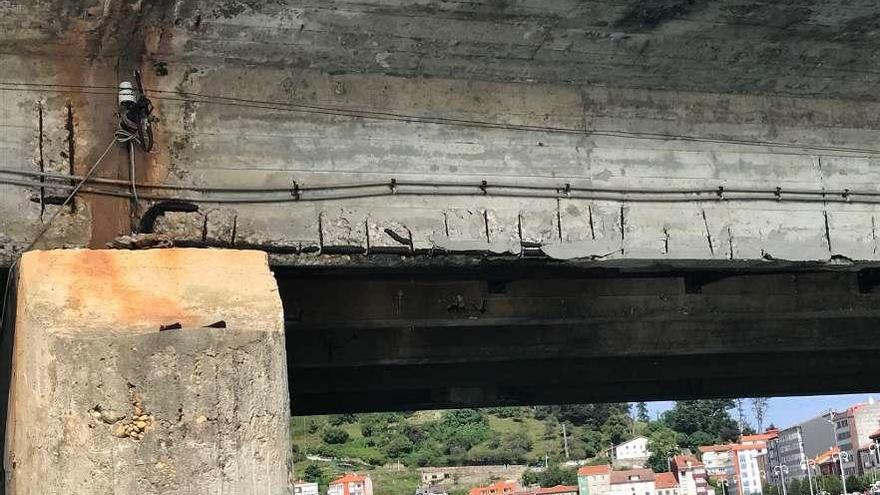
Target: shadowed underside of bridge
499 334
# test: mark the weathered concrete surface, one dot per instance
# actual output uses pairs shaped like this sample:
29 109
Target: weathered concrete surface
630 94
103 401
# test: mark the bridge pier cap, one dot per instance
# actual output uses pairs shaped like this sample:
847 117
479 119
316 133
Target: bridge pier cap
150 372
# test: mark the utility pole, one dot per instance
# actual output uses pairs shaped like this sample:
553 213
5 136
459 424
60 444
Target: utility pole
565 440
781 471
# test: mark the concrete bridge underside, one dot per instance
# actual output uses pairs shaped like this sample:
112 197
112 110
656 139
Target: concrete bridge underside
474 203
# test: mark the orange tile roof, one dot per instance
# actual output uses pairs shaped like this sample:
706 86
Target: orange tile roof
665 480
754 446
496 488
681 461
349 478
715 448
557 489
760 437
594 470
825 456
621 477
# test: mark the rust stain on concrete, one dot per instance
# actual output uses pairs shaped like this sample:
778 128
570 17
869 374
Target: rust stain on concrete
116 290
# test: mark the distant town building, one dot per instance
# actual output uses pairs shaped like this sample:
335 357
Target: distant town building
825 463
748 460
633 482
717 460
431 490
691 475
795 445
558 490
351 484
632 453
852 429
870 457
594 480
301 487
666 484
429 477
500 488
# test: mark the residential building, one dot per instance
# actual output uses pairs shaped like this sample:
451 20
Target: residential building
594 480
852 429
747 462
825 463
432 489
870 453
351 484
301 487
430 477
558 490
716 459
666 484
499 488
795 445
691 475
632 453
633 482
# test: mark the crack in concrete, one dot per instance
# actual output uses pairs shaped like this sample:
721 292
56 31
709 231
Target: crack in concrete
730 241
827 232
592 227
708 233
558 218
71 150
41 163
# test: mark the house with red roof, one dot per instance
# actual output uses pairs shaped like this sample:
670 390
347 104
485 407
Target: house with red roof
594 480
499 488
691 475
633 482
558 490
666 484
351 484
717 460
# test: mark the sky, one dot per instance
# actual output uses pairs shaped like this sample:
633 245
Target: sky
787 411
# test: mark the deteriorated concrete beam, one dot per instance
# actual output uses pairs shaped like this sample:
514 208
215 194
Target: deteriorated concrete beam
103 401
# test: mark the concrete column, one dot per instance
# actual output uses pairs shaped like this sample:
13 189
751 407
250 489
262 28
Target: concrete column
148 372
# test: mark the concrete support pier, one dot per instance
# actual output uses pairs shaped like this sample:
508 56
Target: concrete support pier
148 372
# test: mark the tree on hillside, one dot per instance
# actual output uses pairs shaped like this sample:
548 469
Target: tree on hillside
710 416
461 429
592 441
313 473
700 438
552 476
590 415
333 435
642 412
662 445
341 419
616 429
794 486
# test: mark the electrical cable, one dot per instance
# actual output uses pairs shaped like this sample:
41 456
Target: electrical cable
485 189
378 115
